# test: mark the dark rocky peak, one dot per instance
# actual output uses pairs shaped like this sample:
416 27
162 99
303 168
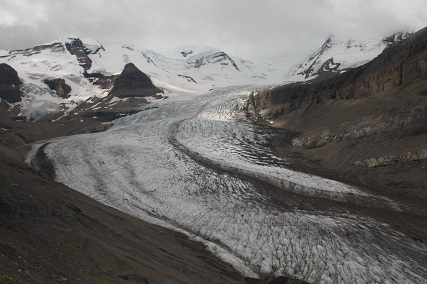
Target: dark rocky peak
9 84
132 82
76 47
76 44
59 86
396 37
216 57
313 59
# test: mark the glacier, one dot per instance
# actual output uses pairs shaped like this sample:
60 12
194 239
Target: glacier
193 164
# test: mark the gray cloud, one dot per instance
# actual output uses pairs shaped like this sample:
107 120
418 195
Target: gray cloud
249 28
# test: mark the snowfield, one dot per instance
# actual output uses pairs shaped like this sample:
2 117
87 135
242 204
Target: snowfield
193 165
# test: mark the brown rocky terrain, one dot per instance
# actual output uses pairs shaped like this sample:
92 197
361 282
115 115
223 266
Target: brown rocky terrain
367 125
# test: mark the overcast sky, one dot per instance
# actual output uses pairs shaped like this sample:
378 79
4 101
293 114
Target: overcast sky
248 28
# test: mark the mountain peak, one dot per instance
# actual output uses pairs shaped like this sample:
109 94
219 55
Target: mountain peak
337 54
132 82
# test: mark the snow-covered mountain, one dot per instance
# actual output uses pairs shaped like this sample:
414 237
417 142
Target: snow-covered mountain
81 61
77 64
338 54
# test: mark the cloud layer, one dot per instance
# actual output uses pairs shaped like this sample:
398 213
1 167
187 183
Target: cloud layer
248 28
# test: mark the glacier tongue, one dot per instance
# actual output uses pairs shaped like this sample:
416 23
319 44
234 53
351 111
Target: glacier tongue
192 164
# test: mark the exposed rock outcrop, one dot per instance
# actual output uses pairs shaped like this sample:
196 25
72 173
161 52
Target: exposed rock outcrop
9 84
76 47
391 159
59 86
132 82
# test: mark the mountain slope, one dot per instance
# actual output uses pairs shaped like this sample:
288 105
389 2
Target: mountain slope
368 124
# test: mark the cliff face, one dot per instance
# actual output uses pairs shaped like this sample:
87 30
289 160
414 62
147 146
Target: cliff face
368 124
9 84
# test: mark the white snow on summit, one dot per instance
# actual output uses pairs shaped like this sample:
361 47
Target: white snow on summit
337 54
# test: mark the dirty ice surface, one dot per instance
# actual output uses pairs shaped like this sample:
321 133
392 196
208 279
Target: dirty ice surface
192 164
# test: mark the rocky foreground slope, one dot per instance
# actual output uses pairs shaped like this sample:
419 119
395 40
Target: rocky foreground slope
367 125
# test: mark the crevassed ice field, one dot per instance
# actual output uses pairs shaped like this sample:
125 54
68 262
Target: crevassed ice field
192 164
